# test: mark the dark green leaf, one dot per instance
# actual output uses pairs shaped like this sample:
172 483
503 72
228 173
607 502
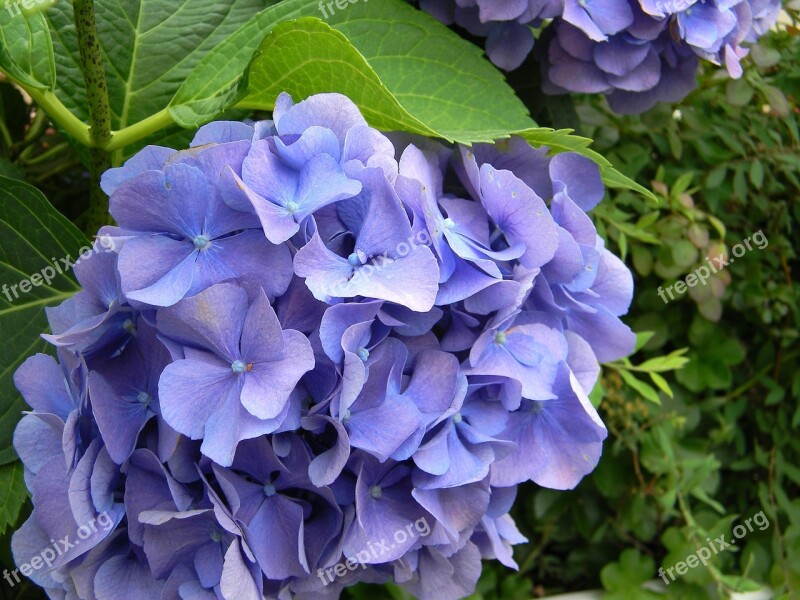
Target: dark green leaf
13 493
32 235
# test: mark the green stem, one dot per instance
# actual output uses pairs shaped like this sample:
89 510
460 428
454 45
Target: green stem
71 124
48 154
94 77
6 135
134 133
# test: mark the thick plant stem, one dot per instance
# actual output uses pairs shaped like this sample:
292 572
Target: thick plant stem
99 113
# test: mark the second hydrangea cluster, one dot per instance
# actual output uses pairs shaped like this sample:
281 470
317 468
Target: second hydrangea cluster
638 52
309 363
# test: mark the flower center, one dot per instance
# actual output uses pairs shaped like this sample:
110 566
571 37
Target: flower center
292 207
376 491
216 536
499 338
144 398
129 326
354 260
363 354
457 418
201 242
238 366
269 490
448 223
346 415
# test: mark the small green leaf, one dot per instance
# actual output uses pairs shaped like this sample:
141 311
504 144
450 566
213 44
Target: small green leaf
661 383
716 176
647 392
614 179
642 337
13 494
739 92
560 140
671 362
756 173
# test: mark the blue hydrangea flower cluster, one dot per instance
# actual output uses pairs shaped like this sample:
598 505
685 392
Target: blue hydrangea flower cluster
309 364
636 52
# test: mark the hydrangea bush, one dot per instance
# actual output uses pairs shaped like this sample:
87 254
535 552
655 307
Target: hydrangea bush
637 53
318 355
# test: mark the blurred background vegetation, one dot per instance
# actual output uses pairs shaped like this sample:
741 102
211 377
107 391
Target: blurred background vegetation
695 447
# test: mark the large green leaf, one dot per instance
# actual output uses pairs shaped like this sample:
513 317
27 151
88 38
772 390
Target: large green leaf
149 47
13 493
26 52
32 236
403 68
436 75
307 56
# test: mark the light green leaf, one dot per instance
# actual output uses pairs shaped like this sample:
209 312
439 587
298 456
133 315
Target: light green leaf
13 494
614 179
26 52
642 337
560 140
307 56
756 174
661 383
32 235
647 392
672 361
397 63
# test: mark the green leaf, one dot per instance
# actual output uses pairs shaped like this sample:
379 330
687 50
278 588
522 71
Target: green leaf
308 56
661 383
623 579
150 48
716 176
739 92
397 63
642 337
647 392
614 179
26 51
32 235
672 361
13 494
756 173
562 140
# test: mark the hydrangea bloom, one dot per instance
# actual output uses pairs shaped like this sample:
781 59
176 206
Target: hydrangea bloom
638 53
317 357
